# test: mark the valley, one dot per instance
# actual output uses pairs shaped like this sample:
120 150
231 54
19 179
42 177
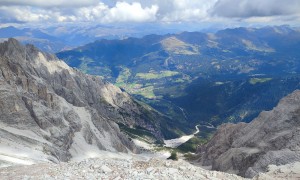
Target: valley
161 117
150 89
194 78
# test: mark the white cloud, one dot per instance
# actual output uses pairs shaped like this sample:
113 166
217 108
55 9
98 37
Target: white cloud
114 11
91 13
124 12
23 14
186 10
27 14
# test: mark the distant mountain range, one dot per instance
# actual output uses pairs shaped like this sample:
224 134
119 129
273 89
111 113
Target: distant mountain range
31 36
59 37
194 77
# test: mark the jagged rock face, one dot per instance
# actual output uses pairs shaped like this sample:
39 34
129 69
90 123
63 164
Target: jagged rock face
247 149
49 111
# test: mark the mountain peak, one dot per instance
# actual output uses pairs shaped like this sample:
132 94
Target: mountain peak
11 47
12 42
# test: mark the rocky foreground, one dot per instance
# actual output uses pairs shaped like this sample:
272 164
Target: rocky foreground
137 168
114 169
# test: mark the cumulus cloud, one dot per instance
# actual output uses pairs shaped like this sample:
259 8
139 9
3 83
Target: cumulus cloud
255 8
113 11
184 10
121 12
124 12
21 15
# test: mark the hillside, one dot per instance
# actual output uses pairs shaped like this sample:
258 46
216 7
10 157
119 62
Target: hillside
194 77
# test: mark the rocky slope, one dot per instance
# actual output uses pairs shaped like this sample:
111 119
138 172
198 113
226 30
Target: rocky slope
135 167
273 138
114 169
51 112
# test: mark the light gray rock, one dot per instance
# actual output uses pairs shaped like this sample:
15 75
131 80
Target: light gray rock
138 172
47 105
172 170
106 169
150 170
247 149
182 168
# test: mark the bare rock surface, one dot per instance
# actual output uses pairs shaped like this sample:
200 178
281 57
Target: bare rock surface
51 112
273 138
289 171
115 169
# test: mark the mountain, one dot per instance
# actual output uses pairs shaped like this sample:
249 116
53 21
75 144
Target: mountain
248 149
51 112
39 38
54 38
199 78
50 39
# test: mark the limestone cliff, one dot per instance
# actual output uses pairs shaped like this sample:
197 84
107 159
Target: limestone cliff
273 138
51 112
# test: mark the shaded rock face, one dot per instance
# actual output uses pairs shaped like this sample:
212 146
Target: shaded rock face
49 111
248 149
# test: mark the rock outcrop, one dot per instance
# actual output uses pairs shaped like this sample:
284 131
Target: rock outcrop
51 112
273 138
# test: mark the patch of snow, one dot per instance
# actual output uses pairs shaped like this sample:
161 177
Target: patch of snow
151 152
173 143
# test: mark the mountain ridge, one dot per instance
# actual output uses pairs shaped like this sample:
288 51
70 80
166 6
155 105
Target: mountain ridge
169 71
60 111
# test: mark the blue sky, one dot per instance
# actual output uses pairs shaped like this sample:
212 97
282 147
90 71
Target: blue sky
201 12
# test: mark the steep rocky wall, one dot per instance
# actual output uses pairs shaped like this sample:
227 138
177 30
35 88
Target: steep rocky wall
49 111
247 149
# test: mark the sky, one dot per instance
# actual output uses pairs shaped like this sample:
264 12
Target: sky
222 12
